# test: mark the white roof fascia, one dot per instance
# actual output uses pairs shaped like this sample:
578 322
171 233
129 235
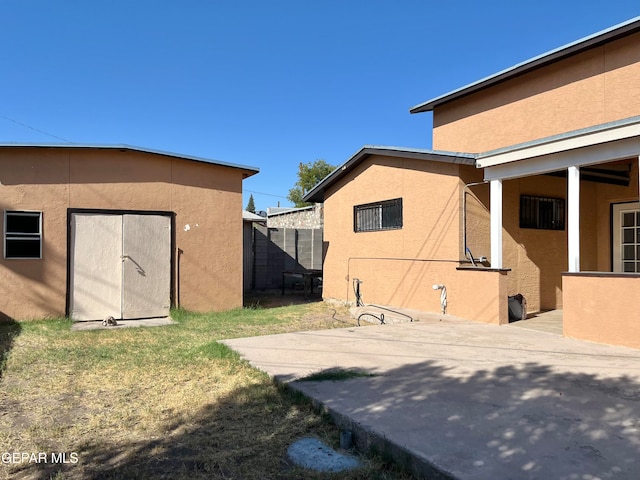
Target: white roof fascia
560 143
607 151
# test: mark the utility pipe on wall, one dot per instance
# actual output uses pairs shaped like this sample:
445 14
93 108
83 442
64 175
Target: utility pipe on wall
464 218
443 296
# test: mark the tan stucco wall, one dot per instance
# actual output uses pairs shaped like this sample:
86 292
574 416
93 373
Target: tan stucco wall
536 257
594 87
602 309
202 196
399 267
431 199
396 275
481 295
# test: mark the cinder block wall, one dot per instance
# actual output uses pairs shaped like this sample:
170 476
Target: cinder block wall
284 249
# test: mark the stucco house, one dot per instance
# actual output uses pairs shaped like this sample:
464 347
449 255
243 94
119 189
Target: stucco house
92 231
545 201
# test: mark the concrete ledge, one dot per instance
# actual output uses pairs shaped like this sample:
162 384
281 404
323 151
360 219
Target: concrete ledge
367 440
483 269
601 274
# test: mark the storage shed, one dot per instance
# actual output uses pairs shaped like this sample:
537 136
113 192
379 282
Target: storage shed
92 231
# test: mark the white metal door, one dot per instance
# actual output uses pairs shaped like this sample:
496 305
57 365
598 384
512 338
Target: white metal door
96 266
120 266
146 267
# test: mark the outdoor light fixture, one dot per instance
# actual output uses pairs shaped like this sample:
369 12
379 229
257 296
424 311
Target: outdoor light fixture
443 296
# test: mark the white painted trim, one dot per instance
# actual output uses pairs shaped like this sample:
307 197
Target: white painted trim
580 157
560 145
616 245
496 223
573 216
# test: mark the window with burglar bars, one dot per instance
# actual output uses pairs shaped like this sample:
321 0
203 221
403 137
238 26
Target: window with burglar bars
22 234
385 215
541 212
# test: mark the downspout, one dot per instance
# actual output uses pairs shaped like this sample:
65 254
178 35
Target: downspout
464 219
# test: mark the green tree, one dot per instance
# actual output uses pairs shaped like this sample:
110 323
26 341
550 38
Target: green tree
309 174
251 206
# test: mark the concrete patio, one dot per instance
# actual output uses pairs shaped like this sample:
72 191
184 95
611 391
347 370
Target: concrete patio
456 399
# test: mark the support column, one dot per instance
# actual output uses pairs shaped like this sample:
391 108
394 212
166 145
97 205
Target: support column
496 223
573 218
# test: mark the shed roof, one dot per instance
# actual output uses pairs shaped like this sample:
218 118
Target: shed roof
274 211
613 33
252 217
249 171
316 194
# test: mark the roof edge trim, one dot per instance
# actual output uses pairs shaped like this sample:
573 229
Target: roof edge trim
316 194
249 169
612 33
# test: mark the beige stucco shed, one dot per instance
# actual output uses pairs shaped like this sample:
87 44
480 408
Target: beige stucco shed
113 230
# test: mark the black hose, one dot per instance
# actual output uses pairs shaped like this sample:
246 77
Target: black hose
380 318
359 303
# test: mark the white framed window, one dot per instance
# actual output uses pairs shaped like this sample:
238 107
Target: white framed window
626 237
22 234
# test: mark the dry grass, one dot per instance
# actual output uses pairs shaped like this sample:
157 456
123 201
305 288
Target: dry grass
167 402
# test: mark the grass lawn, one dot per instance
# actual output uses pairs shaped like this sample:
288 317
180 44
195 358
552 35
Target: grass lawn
167 402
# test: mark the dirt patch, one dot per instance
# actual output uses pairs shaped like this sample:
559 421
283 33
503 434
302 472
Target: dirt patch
275 299
162 402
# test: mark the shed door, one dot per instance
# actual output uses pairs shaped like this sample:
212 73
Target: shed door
120 266
146 266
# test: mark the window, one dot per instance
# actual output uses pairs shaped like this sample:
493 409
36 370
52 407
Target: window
541 212
386 215
22 234
626 237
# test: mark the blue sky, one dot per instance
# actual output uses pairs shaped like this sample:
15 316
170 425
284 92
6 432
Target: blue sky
266 84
